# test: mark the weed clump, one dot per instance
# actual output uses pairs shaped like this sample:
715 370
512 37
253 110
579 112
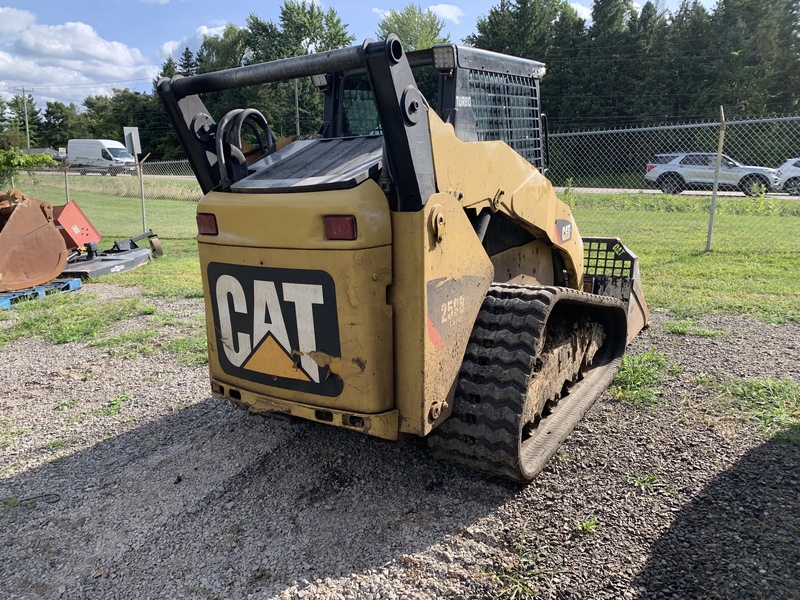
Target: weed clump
775 404
640 377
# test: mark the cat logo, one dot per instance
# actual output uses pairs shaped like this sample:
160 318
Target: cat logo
563 231
276 326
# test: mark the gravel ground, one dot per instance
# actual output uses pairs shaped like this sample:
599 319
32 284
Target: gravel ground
181 495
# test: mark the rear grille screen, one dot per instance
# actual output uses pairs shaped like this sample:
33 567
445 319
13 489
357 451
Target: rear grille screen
506 108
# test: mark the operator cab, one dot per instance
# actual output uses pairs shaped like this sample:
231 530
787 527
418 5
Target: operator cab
483 95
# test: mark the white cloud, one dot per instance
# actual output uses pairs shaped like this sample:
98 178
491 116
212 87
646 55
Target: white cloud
64 62
382 13
74 42
584 12
203 30
447 12
174 48
13 20
170 49
154 1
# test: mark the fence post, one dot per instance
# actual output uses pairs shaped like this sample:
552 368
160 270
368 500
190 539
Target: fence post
66 182
716 178
141 192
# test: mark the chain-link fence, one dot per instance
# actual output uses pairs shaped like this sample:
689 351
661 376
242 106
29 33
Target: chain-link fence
612 178
659 180
618 158
164 199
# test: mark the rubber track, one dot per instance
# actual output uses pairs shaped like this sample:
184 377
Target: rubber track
501 362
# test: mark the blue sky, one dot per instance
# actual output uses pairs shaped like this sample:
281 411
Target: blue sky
67 49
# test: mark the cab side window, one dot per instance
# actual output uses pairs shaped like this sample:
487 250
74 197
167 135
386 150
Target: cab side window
360 115
105 154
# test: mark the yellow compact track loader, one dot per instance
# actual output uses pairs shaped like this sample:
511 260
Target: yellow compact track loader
409 270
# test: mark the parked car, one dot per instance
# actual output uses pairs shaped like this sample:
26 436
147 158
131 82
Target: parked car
790 176
54 154
678 171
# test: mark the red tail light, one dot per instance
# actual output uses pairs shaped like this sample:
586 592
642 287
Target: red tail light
650 168
207 224
340 227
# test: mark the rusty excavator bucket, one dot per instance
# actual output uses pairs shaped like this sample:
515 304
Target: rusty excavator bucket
32 250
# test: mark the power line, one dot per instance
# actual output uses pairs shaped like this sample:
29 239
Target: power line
95 83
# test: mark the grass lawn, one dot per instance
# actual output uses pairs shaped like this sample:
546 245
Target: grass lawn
174 275
114 205
753 268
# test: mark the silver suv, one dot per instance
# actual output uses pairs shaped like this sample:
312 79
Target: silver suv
673 173
790 176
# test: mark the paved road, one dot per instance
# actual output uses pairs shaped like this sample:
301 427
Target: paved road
602 190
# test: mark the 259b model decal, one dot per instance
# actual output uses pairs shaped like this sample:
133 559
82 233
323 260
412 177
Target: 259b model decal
273 326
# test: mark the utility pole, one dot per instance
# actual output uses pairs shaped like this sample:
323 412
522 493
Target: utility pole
25 111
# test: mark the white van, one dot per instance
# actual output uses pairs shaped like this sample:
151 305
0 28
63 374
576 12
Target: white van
100 156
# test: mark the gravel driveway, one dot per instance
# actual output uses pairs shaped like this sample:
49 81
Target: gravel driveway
150 488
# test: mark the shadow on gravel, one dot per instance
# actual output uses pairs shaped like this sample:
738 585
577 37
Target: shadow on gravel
738 538
212 501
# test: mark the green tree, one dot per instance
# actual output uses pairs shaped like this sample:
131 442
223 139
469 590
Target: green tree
264 40
223 51
416 28
306 28
303 28
692 56
106 116
99 117
606 79
545 30
12 137
188 64
226 51
159 138
17 108
641 66
497 30
60 123
168 68
563 84
526 28
649 66
759 64
536 21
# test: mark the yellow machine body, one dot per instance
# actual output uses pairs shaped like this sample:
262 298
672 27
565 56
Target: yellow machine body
409 270
406 291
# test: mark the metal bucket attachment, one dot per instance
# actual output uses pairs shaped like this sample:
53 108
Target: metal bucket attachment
74 226
32 250
610 269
